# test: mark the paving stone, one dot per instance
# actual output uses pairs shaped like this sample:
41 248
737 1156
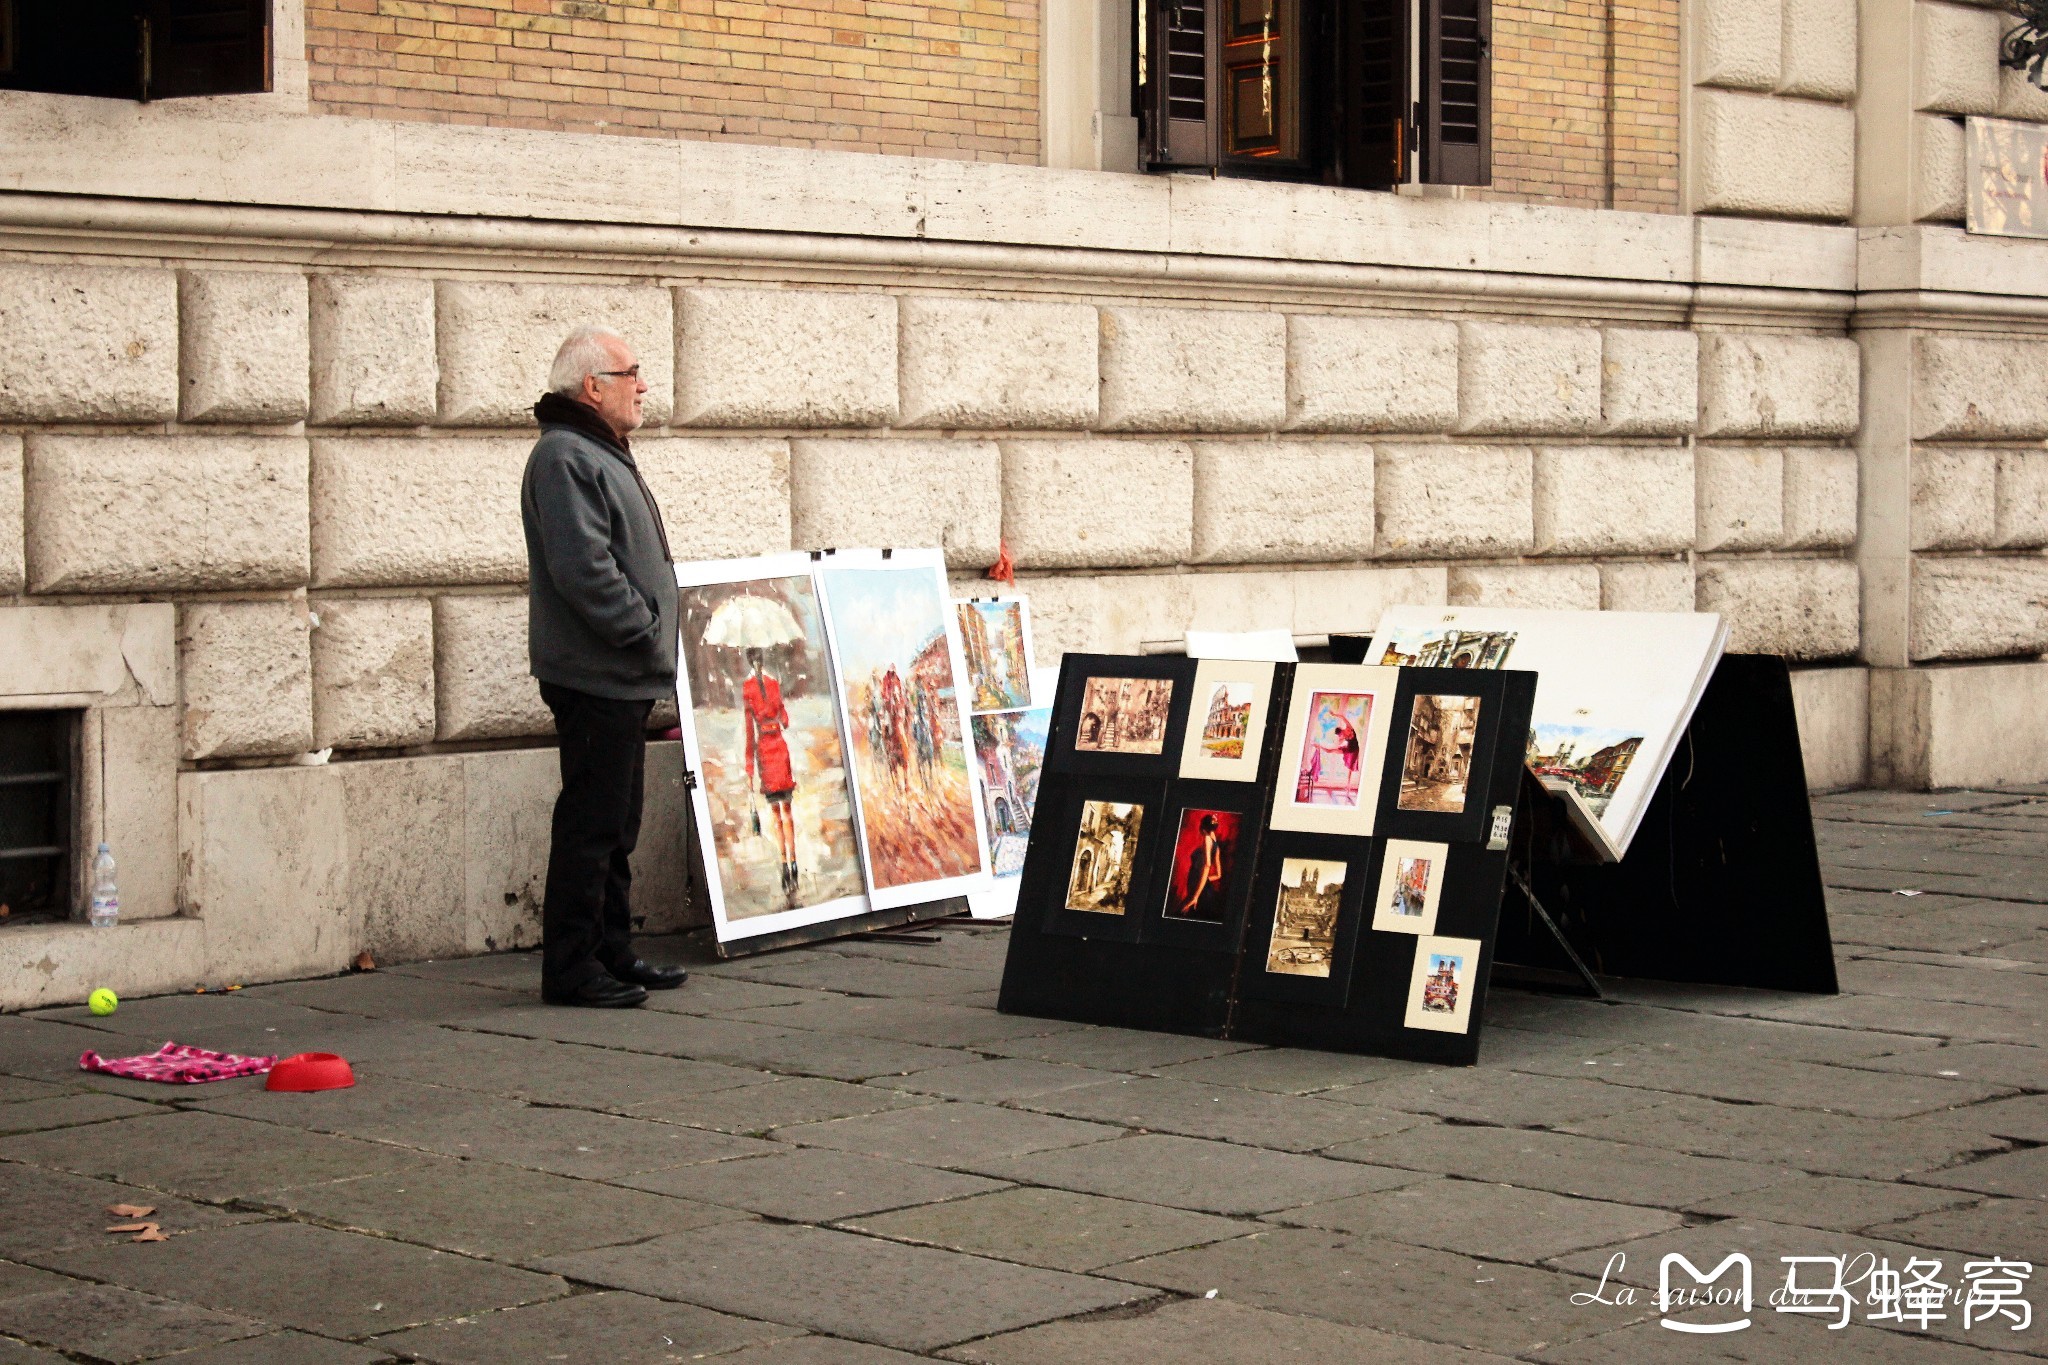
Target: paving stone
1256 1118
631 1329
805 1053
1929 1018
1501 1098
465 1124
1058 1229
2023 1118
281 1348
511 971
1115 1049
1771 1336
1698 1034
1563 1164
733 1042
496 1212
2012 1229
1918 981
20 1281
999 1079
948 1133
870 976
328 1283
116 1325
1499 1222
381 995
907 1021
1291 1070
1781 1081
15 1089
707 994
1824 1144
1948 935
757 1109
563 1073
1391 1286
816 1350
1503 1048
813 1185
1208 1332
52 1210
2023 1174
1822 1201
1189 1173
915 1298
68 1111
204 1156
14 1353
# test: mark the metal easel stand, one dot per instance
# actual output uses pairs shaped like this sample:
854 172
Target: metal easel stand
1586 979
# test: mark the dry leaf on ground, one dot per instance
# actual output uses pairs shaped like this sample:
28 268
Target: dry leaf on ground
131 1210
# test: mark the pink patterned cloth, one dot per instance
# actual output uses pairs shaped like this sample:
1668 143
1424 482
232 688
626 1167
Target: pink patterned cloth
178 1064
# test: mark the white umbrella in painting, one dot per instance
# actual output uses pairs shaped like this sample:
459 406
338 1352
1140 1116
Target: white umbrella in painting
750 622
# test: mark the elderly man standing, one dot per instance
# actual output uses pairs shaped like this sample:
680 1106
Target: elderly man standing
601 633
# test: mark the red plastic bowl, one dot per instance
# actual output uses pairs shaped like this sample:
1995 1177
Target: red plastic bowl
311 1071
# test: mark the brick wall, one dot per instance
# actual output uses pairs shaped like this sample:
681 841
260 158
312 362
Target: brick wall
1585 103
951 79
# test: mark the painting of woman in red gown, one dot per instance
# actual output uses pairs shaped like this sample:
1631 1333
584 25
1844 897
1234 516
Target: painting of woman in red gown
1202 856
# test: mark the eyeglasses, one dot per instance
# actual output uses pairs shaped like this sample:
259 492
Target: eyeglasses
633 373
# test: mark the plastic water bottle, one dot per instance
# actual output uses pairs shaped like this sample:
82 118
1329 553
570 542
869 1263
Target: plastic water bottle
106 901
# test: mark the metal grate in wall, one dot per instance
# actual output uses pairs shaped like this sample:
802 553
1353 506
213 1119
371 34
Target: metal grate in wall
38 752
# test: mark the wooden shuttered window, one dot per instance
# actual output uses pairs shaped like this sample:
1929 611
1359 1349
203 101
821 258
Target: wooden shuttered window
1366 93
1457 101
135 49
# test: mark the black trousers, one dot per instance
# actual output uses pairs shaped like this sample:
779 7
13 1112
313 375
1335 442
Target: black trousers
586 913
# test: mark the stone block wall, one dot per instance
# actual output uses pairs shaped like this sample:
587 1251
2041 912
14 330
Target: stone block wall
1955 73
1769 75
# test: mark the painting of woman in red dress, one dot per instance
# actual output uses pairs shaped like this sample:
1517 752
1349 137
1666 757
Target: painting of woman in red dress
768 757
1202 856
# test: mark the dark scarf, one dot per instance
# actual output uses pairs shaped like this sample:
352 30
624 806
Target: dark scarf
553 410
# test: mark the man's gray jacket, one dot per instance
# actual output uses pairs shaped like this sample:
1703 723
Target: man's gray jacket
601 589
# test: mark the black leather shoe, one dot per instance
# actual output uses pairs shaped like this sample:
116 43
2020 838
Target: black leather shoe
641 973
599 993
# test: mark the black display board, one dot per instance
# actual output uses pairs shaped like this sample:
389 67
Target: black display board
1350 988
1721 884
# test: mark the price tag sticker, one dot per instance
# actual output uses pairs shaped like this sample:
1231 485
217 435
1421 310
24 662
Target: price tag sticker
1503 821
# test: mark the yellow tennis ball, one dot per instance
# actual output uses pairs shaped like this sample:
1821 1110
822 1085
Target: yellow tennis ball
103 1001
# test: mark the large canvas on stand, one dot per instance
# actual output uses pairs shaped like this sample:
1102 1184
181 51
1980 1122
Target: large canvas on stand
761 732
901 680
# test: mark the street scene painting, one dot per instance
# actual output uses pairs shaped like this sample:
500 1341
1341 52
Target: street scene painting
900 692
1304 937
995 643
1009 749
1330 772
1411 880
1204 852
1447 647
1592 759
1440 989
1438 761
757 685
1105 856
1124 716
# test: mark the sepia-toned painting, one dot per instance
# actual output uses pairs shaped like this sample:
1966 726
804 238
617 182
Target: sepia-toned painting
1105 856
1304 937
772 769
1438 762
1124 716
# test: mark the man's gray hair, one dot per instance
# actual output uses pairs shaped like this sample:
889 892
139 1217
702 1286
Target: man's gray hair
582 355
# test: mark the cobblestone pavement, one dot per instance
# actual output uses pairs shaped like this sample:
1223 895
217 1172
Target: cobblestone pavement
844 1154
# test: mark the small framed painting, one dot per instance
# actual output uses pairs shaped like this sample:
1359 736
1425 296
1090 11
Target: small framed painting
1334 749
1411 883
1102 835
1200 889
1440 989
1227 721
1120 716
1307 917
